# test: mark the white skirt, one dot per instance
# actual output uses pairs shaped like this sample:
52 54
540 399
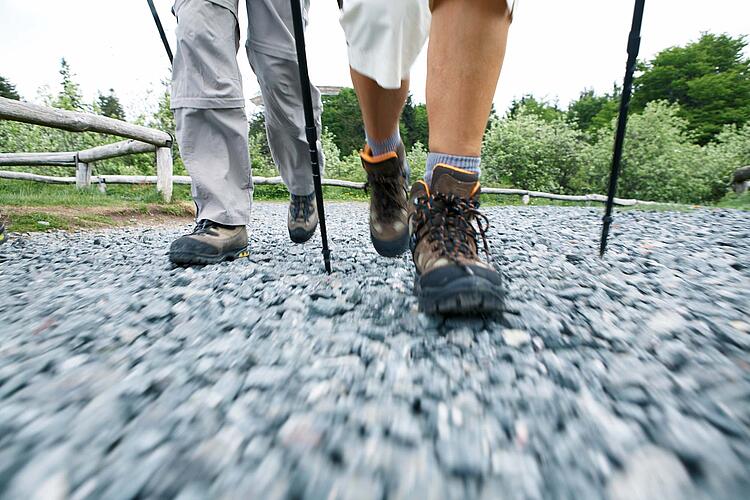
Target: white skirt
386 36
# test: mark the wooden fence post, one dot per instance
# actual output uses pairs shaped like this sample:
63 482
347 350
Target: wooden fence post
83 174
164 173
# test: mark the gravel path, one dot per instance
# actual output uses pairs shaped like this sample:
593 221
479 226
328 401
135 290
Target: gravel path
122 377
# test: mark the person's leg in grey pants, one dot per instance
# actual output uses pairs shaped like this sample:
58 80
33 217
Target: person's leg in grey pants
208 102
209 111
271 51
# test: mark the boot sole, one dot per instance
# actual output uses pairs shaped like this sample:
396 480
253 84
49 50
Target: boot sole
468 295
392 248
300 235
187 259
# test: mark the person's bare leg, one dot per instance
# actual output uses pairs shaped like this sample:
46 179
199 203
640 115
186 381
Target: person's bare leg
381 108
467 46
384 161
466 51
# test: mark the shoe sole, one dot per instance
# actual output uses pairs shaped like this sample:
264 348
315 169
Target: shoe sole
188 259
300 235
392 248
468 295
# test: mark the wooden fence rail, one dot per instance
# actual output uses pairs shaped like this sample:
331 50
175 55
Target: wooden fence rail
74 121
139 140
38 159
260 181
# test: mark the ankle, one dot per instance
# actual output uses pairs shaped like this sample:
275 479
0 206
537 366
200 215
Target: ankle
387 145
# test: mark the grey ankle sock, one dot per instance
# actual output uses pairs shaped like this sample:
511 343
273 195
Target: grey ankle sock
385 146
470 163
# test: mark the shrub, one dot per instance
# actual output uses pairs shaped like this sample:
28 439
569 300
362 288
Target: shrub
660 160
527 152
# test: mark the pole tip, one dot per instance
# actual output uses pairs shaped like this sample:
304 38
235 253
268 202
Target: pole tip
606 222
327 260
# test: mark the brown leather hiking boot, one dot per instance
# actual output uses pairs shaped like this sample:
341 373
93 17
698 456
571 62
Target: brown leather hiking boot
209 243
445 226
388 183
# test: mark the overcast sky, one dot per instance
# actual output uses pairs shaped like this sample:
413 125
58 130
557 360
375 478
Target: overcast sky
555 49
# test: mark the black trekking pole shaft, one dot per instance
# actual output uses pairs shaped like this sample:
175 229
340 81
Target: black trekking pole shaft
311 131
161 30
634 44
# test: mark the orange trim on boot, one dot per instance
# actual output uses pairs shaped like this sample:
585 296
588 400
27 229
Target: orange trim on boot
455 169
366 154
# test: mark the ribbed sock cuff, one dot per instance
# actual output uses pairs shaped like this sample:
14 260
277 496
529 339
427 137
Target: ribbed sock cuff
470 163
385 146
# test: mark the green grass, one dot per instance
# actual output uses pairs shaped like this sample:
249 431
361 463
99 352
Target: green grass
25 204
741 202
34 194
44 221
144 200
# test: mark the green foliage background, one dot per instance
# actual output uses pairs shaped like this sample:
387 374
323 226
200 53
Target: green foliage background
687 133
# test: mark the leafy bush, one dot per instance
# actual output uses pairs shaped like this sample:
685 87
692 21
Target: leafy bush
260 156
730 151
528 152
347 168
660 160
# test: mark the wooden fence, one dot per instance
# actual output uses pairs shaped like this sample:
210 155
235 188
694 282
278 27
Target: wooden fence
138 139
142 140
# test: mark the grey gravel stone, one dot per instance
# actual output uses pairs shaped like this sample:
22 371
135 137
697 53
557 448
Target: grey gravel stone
651 474
516 338
621 377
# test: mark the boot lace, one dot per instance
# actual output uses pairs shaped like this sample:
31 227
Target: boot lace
205 226
301 205
454 225
389 195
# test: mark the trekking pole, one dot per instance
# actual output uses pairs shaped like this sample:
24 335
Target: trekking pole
310 129
161 30
634 44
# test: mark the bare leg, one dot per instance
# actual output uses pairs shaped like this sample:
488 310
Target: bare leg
384 163
381 108
466 51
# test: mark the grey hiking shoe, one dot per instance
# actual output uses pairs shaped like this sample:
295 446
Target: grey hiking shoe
302 218
388 183
209 243
446 230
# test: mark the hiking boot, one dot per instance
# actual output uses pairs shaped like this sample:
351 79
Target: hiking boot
209 243
302 218
388 183
445 226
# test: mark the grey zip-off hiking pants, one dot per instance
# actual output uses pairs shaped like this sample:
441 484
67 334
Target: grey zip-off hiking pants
212 128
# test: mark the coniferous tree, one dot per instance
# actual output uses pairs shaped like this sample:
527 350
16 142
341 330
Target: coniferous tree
109 105
70 97
8 90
